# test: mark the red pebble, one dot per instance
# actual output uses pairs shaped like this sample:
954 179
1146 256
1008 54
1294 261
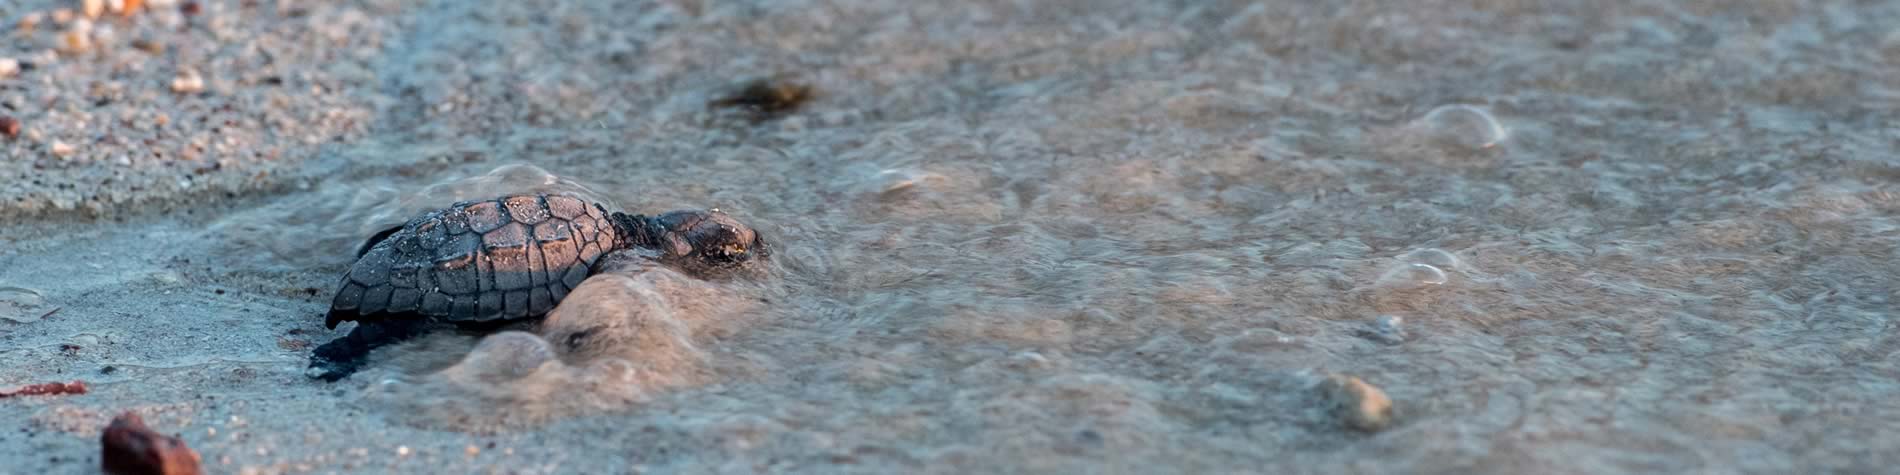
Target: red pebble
75 387
133 449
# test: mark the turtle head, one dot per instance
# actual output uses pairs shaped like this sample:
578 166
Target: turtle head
707 239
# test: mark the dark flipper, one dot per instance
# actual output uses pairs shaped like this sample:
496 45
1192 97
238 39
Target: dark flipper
341 357
376 238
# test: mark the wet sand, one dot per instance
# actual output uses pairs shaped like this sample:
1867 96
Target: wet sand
1018 237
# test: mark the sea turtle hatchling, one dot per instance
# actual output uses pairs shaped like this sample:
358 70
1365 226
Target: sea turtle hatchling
488 262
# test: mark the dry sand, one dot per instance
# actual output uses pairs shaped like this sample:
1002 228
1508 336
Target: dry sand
1018 237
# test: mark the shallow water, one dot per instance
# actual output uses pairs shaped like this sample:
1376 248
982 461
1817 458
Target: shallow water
1626 237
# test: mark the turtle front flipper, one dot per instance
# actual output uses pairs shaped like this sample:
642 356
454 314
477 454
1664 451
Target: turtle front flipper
341 357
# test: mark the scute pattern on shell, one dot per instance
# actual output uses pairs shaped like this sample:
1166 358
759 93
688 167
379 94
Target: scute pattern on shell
505 258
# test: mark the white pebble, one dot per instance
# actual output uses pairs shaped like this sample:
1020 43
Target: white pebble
9 67
62 149
188 81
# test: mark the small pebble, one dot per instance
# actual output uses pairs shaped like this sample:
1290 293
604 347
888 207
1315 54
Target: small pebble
31 20
62 16
9 67
132 448
93 8
62 149
148 46
766 98
473 450
402 450
75 40
1360 405
1387 329
190 8
124 7
9 127
188 81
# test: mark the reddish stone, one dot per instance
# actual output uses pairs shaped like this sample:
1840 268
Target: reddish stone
133 449
75 387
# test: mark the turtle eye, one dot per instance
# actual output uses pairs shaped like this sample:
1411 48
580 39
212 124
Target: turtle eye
574 340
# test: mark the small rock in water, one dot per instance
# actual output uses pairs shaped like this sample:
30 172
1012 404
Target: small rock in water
1387 329
9 67
61 149
1359 405
765 98
131 448
9 127
188 81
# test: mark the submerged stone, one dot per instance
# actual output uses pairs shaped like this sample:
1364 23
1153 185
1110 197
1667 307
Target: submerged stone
1357 404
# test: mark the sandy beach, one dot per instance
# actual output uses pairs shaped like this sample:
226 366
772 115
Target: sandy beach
1111 236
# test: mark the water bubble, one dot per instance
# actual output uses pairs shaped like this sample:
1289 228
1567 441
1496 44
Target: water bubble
1410 275
1433 257
1463 125
504 356
23 305
614 370
890 184
613 342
